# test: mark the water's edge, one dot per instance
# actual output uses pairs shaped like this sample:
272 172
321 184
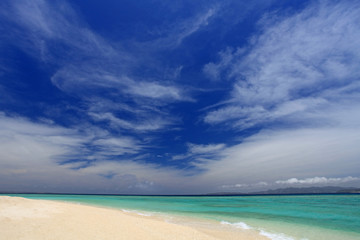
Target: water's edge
276 217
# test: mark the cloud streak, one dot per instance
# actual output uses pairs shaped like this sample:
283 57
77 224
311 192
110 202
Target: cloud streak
200 154
185 29
89 65
299 65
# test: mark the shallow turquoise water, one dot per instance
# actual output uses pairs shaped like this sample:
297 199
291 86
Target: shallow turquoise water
312 217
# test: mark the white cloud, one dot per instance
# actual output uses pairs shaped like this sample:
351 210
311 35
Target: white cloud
249 115
155 90
179 31
91 78
88 65
266 156
238 185
28 145
245 186
214 70
46 22
201 152
299 65
28 141
37 157
205 149
318 180
116 146
150 124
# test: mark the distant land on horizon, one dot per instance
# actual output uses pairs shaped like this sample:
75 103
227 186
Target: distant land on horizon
293 190
279 191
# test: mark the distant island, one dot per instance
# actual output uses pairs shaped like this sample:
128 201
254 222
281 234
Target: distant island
279 191
292 190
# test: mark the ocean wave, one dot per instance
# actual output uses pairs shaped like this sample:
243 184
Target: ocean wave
237 225
277 236
136 212
272 236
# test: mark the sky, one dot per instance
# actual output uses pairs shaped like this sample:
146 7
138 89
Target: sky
178 97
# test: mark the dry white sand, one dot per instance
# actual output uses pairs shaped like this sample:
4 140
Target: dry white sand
27 219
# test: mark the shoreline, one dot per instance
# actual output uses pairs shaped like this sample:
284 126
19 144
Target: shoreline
22 218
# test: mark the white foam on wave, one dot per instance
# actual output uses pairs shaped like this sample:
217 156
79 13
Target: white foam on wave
272 236
276 236
237 225
136 212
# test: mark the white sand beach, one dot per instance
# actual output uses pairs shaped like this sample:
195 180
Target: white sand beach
25 219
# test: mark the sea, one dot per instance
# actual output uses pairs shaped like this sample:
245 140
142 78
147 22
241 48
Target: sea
278 217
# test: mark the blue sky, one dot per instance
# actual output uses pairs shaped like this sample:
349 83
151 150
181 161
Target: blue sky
174 97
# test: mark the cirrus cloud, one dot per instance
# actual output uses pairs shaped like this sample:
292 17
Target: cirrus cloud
299 65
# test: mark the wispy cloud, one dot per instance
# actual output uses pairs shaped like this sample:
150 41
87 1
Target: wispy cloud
92 78
156 91
151 124
44 140
201 152
291 68
179 31
116 146
24 143
46 22
218 71
40 156
205 149
88 65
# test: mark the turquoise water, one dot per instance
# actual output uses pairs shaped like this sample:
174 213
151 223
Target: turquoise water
312 217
